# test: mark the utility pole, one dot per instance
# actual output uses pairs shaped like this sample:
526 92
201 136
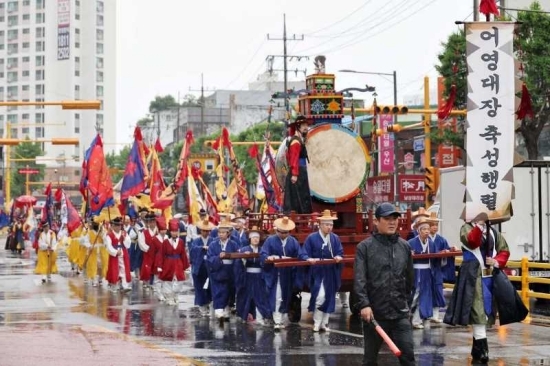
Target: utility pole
201 102
476 10
286 58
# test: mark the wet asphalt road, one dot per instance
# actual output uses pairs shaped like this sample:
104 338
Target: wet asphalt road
69 323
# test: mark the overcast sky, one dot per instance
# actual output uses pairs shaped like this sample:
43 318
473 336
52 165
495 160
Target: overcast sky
165 45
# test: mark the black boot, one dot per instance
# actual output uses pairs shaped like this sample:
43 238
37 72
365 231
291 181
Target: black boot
480 351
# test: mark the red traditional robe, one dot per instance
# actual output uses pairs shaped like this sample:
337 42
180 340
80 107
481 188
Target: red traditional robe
117 242
148 262
173 261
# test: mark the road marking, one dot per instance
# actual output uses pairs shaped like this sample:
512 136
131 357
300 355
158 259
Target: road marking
49 302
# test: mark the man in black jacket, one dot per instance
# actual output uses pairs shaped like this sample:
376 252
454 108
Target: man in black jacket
383 282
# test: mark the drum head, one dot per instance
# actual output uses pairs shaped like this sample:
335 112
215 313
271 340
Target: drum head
337 166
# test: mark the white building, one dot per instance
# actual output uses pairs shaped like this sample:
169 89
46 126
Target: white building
53 50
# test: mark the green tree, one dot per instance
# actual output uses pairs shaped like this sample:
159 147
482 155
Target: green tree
118 162
162 103
145 122
533 44
25 150
189 100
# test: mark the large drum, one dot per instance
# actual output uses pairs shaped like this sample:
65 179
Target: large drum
338 162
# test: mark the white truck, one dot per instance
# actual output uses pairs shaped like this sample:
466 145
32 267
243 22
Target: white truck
527 232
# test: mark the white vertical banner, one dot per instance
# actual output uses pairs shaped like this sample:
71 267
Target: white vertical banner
63 29
490 119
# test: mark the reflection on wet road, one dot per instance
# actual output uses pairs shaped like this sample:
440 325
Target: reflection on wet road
67 305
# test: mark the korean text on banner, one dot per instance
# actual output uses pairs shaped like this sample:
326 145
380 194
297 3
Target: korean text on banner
490 127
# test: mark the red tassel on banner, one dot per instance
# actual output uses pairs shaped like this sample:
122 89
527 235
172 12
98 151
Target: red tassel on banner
445 110
488 7
525 106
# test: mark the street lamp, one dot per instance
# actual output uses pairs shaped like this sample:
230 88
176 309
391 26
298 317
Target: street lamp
395 149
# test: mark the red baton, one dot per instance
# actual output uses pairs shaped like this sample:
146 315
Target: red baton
396 351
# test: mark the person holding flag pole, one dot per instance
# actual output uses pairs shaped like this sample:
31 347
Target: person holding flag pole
46 263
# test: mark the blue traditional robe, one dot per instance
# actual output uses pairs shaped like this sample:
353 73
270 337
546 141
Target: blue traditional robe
287 276
447 264
428 279
241 239
329 276
251 289
221 272
199 271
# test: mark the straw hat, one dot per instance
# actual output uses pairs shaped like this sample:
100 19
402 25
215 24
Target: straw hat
433 217
225 224
421 221
327 216
284 223
421 212
205 225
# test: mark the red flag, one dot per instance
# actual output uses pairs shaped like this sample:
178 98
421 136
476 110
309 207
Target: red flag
73 218
100 185
488 7
158 186
158 146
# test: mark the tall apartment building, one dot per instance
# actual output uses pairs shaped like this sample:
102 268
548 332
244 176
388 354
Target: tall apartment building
53 50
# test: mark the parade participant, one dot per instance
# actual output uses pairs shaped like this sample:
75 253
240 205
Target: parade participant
280 282
117 244
154 249
147 246
441 245
188 231
199 271
383 282
97 259
135 253
46 262
297 197
483 248
239 233
74 247
220 270
324 280
428 280
223 216
171 263
415 216
18 244
251 293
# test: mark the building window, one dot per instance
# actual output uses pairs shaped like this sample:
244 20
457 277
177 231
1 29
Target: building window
77 45
77 92
39 75
26 17
12 118
99 120
2 19
76 31
13 20
39 89
26 31
12 77
13 48
99 7
39 60
99 62
40 46
100 20
25 74
26 2
26 59
12 34
25 88
99 91
13 6
40 18
39 117
40 32
99 48
25 116
12 62
99 34
26 45
99 76
77 73
39 131
77 123
40 4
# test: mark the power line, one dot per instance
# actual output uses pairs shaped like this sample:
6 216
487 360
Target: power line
247 65
341 20
285 56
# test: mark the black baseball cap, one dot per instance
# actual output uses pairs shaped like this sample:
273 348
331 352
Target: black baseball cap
386 209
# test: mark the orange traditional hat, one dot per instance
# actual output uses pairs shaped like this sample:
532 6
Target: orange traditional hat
421 221
326 215
225 224
284 223
421 212
433 217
